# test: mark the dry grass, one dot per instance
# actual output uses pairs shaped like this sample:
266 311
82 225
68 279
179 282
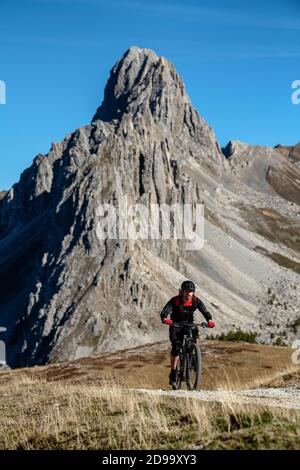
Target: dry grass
36 414
224 365
87 404
276 227
280 259
275 377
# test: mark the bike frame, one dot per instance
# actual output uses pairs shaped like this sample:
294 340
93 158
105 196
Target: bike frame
187 338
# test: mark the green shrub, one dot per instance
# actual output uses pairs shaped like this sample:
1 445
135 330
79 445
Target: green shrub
279 342
238 335
294 326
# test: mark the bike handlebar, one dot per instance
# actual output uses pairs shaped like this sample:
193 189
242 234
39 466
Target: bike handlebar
203 324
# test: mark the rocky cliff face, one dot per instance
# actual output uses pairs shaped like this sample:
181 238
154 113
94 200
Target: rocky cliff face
293 152
67 292
273 170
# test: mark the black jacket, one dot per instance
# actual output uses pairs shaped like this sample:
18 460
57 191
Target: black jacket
179 312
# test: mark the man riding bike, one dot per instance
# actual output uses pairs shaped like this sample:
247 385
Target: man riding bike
181 309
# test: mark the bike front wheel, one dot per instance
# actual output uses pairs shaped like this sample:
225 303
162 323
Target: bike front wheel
193 370
179 372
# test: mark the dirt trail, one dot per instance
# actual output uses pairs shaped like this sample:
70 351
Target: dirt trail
280 397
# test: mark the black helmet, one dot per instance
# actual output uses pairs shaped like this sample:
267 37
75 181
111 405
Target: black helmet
188 286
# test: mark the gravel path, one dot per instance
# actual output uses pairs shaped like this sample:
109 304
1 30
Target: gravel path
280 397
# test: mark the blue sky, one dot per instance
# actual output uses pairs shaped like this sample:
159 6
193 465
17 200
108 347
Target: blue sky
237 59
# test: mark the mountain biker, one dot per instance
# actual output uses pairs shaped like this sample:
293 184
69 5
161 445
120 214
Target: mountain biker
181 309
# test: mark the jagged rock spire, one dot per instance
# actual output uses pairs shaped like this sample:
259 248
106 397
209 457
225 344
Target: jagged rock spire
141 82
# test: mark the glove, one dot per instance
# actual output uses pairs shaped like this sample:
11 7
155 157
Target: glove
211 324
167 321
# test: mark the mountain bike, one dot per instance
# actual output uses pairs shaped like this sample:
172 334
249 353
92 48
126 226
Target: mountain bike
189 365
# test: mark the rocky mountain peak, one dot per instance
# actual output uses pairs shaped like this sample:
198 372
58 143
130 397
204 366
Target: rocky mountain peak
146 142
145 96
142 82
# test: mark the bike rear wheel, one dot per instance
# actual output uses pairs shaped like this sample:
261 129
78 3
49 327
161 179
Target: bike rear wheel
193 372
